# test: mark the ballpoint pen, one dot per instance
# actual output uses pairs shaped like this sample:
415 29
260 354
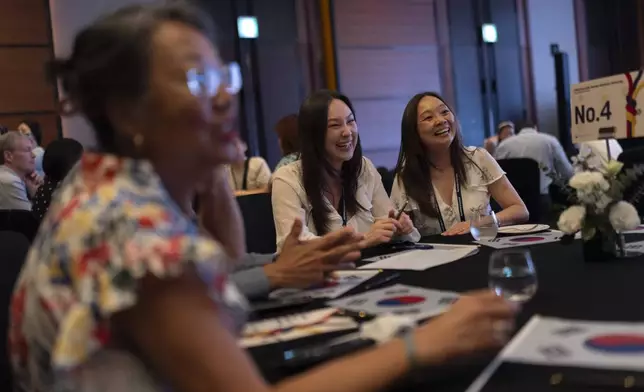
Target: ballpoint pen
400 212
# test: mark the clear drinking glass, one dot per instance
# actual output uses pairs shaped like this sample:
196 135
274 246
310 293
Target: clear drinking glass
512 275
484 226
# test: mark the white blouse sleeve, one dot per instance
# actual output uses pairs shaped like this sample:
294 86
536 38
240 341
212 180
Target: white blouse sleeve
288 204
490 171
382 204
262 173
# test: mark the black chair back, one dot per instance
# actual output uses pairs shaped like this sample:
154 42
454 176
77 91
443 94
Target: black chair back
257 212
21 221
13 248
524 174
387 177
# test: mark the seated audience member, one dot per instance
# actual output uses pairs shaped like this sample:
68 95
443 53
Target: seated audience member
33 131
249 174
18 181
286 129
544 149
596 153
333 185
122 291
442 182
503 131
60 156
3 129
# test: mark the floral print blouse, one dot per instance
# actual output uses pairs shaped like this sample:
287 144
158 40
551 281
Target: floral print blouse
110 223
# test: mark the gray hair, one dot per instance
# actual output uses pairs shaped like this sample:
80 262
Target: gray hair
9 141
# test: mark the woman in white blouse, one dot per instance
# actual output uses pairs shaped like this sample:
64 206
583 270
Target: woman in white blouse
249 174
444 182
333 185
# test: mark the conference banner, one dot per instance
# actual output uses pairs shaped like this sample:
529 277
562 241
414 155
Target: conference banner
606 108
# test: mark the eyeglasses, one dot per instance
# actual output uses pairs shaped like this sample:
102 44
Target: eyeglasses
206 82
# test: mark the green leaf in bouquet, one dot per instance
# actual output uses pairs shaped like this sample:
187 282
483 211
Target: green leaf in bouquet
588 232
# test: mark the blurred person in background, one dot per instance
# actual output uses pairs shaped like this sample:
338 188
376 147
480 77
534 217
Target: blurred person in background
59 158
121 291
503 131
18 180
545 150
249 173
34 132
286 129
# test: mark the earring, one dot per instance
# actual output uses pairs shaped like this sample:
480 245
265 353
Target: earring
138 141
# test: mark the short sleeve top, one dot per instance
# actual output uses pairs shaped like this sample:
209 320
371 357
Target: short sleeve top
110 223
481 169
290 201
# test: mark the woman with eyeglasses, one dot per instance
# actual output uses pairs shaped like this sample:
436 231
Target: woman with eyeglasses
443 183
121 290
332 185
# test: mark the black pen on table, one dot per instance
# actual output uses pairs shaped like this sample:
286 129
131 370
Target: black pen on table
402 210
380 282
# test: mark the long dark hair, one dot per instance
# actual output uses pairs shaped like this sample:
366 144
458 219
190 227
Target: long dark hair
110 62
60 156
414 161
312 127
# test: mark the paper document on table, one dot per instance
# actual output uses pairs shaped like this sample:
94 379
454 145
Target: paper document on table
399 299
294 326
572 343
419 260
342 282
638 230
523 240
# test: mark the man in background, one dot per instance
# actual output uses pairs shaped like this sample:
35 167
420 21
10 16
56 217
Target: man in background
18 181
503 131
544 149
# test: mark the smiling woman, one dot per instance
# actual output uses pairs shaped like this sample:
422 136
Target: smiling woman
442 182
333 185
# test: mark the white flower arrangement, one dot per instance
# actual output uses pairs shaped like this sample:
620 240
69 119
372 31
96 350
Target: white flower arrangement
597 195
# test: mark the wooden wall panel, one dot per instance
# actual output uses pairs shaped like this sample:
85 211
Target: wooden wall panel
384 22
48 124
24 83
378 73
379 123
24 22
387 51
25 49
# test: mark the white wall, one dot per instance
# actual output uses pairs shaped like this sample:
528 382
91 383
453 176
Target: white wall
550 21
68 18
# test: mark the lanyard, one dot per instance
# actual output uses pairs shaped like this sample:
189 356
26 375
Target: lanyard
459 198
244 184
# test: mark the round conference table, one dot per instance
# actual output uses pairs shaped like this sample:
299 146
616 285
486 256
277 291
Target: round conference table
569 287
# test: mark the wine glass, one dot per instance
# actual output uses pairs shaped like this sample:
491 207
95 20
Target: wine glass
512 275
484 225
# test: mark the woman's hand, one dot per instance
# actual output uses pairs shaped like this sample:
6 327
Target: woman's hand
406 225
476 322
302 264
382 231
458 229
